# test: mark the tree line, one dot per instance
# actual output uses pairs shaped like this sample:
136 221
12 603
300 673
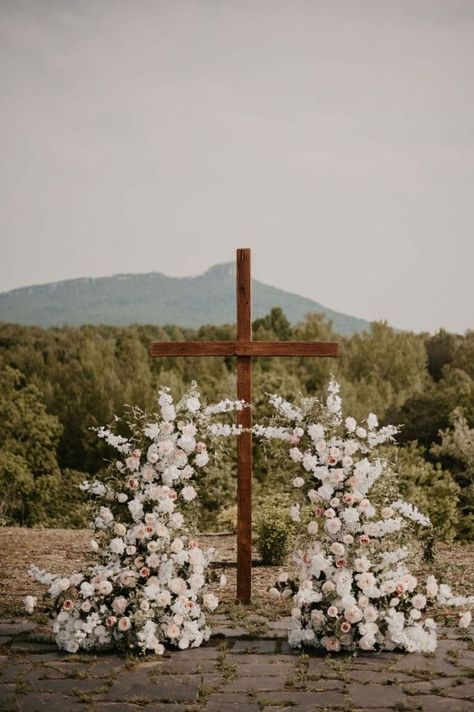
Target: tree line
57 384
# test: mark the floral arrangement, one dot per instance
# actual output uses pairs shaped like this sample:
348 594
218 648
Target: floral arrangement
150 584
354 590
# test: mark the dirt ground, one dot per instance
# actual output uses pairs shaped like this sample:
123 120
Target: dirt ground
65 550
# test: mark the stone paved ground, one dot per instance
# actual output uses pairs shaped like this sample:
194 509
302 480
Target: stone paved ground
232 673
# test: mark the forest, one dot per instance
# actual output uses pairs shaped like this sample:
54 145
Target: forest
57 384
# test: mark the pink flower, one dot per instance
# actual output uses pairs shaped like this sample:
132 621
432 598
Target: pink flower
68 604
136 453
124 623
144 572
333 612
340 563
331 644
110 621
364 539
400 587
345 627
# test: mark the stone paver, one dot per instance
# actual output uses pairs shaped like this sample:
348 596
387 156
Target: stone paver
234 674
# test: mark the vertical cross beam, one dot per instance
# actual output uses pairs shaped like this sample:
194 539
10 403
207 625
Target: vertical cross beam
244 441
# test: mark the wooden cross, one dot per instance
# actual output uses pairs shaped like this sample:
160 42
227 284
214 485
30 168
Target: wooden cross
244 349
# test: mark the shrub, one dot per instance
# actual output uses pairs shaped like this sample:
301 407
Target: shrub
274 529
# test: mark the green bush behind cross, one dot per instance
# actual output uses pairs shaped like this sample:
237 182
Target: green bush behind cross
56 384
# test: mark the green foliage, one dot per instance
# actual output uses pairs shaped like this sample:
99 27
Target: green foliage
431 488
34 491
457 449
274 530
56 384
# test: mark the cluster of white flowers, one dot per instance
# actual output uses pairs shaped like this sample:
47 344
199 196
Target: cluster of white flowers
150 586
353 591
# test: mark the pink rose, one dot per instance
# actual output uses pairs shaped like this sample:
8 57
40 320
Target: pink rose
124 623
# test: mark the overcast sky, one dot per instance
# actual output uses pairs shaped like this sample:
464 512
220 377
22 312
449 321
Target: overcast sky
333 137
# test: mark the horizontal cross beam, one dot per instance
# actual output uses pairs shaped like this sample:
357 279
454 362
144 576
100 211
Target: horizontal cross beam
244 348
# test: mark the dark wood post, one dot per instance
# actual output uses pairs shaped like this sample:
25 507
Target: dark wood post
244 441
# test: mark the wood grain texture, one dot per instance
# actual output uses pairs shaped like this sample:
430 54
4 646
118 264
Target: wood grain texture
244 441
244 348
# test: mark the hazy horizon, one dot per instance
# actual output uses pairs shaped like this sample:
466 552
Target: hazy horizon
334 139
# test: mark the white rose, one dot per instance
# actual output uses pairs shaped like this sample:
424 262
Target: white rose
337 549
332 526
353 614
298 482
312 527
117 545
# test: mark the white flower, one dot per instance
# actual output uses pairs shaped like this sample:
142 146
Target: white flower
337 549
86 589
332 526
295 454
465 619
295 512
117 545
188 493
210 601
29 602
298 482
312 528
418 601
361 432
366 580
353 614
119 604
372 421
315 432
202 459
151 430
193 404
350 424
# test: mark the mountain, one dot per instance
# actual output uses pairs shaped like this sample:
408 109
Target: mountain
154 298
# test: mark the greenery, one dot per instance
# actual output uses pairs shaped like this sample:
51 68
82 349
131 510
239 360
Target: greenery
57 384
274 530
